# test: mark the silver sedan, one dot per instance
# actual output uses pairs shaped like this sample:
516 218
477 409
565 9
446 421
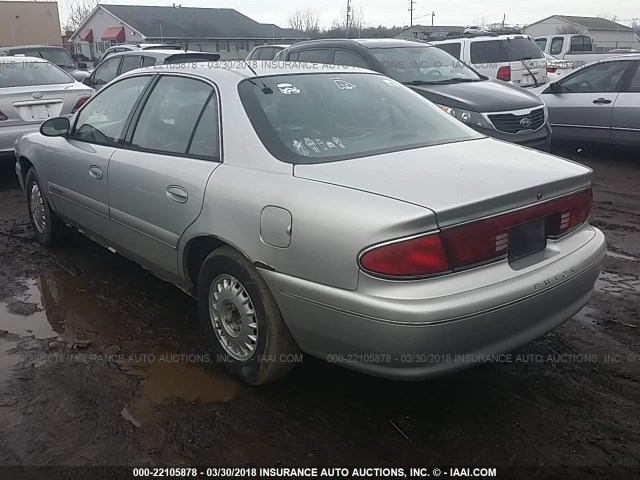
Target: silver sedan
329 211
33 90
599 103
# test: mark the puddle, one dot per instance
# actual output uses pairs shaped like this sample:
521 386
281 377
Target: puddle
617 284
26 316
186 382
621 256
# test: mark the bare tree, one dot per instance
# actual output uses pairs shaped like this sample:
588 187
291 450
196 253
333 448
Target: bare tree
356 22
609 16
568 29
78 11
307 20
635 24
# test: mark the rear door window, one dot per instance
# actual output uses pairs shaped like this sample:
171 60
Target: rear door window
452 49
106 72
130 62
148 61
320 55
348 59
635 81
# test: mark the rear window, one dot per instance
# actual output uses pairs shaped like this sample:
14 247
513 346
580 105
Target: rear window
20 74
500 51
324 117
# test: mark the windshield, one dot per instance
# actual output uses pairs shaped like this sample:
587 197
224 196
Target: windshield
20 74
59 57
323 117
423 64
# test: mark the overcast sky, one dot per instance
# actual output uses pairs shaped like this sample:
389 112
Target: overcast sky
395 12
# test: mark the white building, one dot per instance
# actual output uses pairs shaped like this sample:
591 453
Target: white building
606 35
220 30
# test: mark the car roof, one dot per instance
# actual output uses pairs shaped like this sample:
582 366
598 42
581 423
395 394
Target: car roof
483 38
153 52
20 58
279 45
364 42
31 47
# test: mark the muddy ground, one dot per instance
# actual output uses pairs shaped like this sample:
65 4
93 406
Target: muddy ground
94 370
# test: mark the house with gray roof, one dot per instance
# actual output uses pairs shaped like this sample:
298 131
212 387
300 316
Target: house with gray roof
220 30
606 34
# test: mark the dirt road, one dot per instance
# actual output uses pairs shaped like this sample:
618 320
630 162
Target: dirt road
101 363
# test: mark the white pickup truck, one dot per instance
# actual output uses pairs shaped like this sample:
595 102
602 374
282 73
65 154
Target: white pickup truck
572 47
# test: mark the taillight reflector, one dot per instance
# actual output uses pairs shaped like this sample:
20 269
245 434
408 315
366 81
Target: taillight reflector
408 258
473 243
551 69
504 73
79 103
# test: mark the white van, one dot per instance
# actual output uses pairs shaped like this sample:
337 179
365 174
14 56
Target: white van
513 58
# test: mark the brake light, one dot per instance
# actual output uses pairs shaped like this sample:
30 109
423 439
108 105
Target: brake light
79 103
504 73
2 116
551 69
474 243
417 256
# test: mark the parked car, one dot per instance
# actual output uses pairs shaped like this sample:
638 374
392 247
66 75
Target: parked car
516 59
489 106
33 90
337 212
557 68
597 103
577 48
131 47
265 52
56 55
123 62
474 30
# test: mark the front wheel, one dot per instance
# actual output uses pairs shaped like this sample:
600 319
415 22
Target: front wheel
49 229
242 321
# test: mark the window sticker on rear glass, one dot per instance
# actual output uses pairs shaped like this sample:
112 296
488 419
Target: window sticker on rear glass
321 144
311 144
300 148
338 142
344 85
288 89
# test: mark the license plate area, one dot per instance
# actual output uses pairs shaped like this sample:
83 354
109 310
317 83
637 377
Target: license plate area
527 238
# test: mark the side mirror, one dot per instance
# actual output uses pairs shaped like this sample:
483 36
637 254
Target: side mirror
55 127
82 66
554 88
88 81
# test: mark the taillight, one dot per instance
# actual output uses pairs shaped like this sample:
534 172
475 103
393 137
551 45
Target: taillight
417 256
551 69
504 73
79 103
476 242
2 116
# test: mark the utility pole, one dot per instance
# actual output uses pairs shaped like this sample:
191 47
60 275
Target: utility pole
504 19
411 9
348 12
433 14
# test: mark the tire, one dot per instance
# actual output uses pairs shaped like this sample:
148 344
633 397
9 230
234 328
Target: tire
49 229
244 309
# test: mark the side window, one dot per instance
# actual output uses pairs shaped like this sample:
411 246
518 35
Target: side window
104 117
206 141
293 57
320 55
452 49
348 59
148 61
635 81
267 53
170 114
599 78
106 72
486 52
580 43
542 43
556 45
129 62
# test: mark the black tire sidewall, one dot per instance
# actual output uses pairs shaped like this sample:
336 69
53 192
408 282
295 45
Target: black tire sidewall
45 238
248 370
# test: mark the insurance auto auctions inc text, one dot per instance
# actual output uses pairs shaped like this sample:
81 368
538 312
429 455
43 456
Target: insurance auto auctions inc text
376 472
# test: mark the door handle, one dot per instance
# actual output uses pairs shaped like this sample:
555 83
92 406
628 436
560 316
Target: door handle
601 101
177 194
95 172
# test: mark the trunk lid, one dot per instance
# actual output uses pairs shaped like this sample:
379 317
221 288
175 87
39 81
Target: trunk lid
459 182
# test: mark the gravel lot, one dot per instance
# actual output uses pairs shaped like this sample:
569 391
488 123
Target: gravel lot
88 371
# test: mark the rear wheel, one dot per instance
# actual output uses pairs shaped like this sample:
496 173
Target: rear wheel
49 229
242 321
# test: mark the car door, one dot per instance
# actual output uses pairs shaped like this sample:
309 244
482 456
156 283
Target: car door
625 121
157 181
77 165
583 105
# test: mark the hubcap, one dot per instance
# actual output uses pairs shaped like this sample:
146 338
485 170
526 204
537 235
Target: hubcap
233 317
37 209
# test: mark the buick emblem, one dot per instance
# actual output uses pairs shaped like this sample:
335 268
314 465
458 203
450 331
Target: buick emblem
37 95
525 122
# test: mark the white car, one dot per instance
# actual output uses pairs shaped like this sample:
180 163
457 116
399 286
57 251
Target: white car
516 59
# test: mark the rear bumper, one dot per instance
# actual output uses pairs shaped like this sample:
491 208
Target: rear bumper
9 135
410 337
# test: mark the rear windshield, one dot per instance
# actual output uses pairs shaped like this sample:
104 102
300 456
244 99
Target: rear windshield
499 51
19 74
324 117
57 56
